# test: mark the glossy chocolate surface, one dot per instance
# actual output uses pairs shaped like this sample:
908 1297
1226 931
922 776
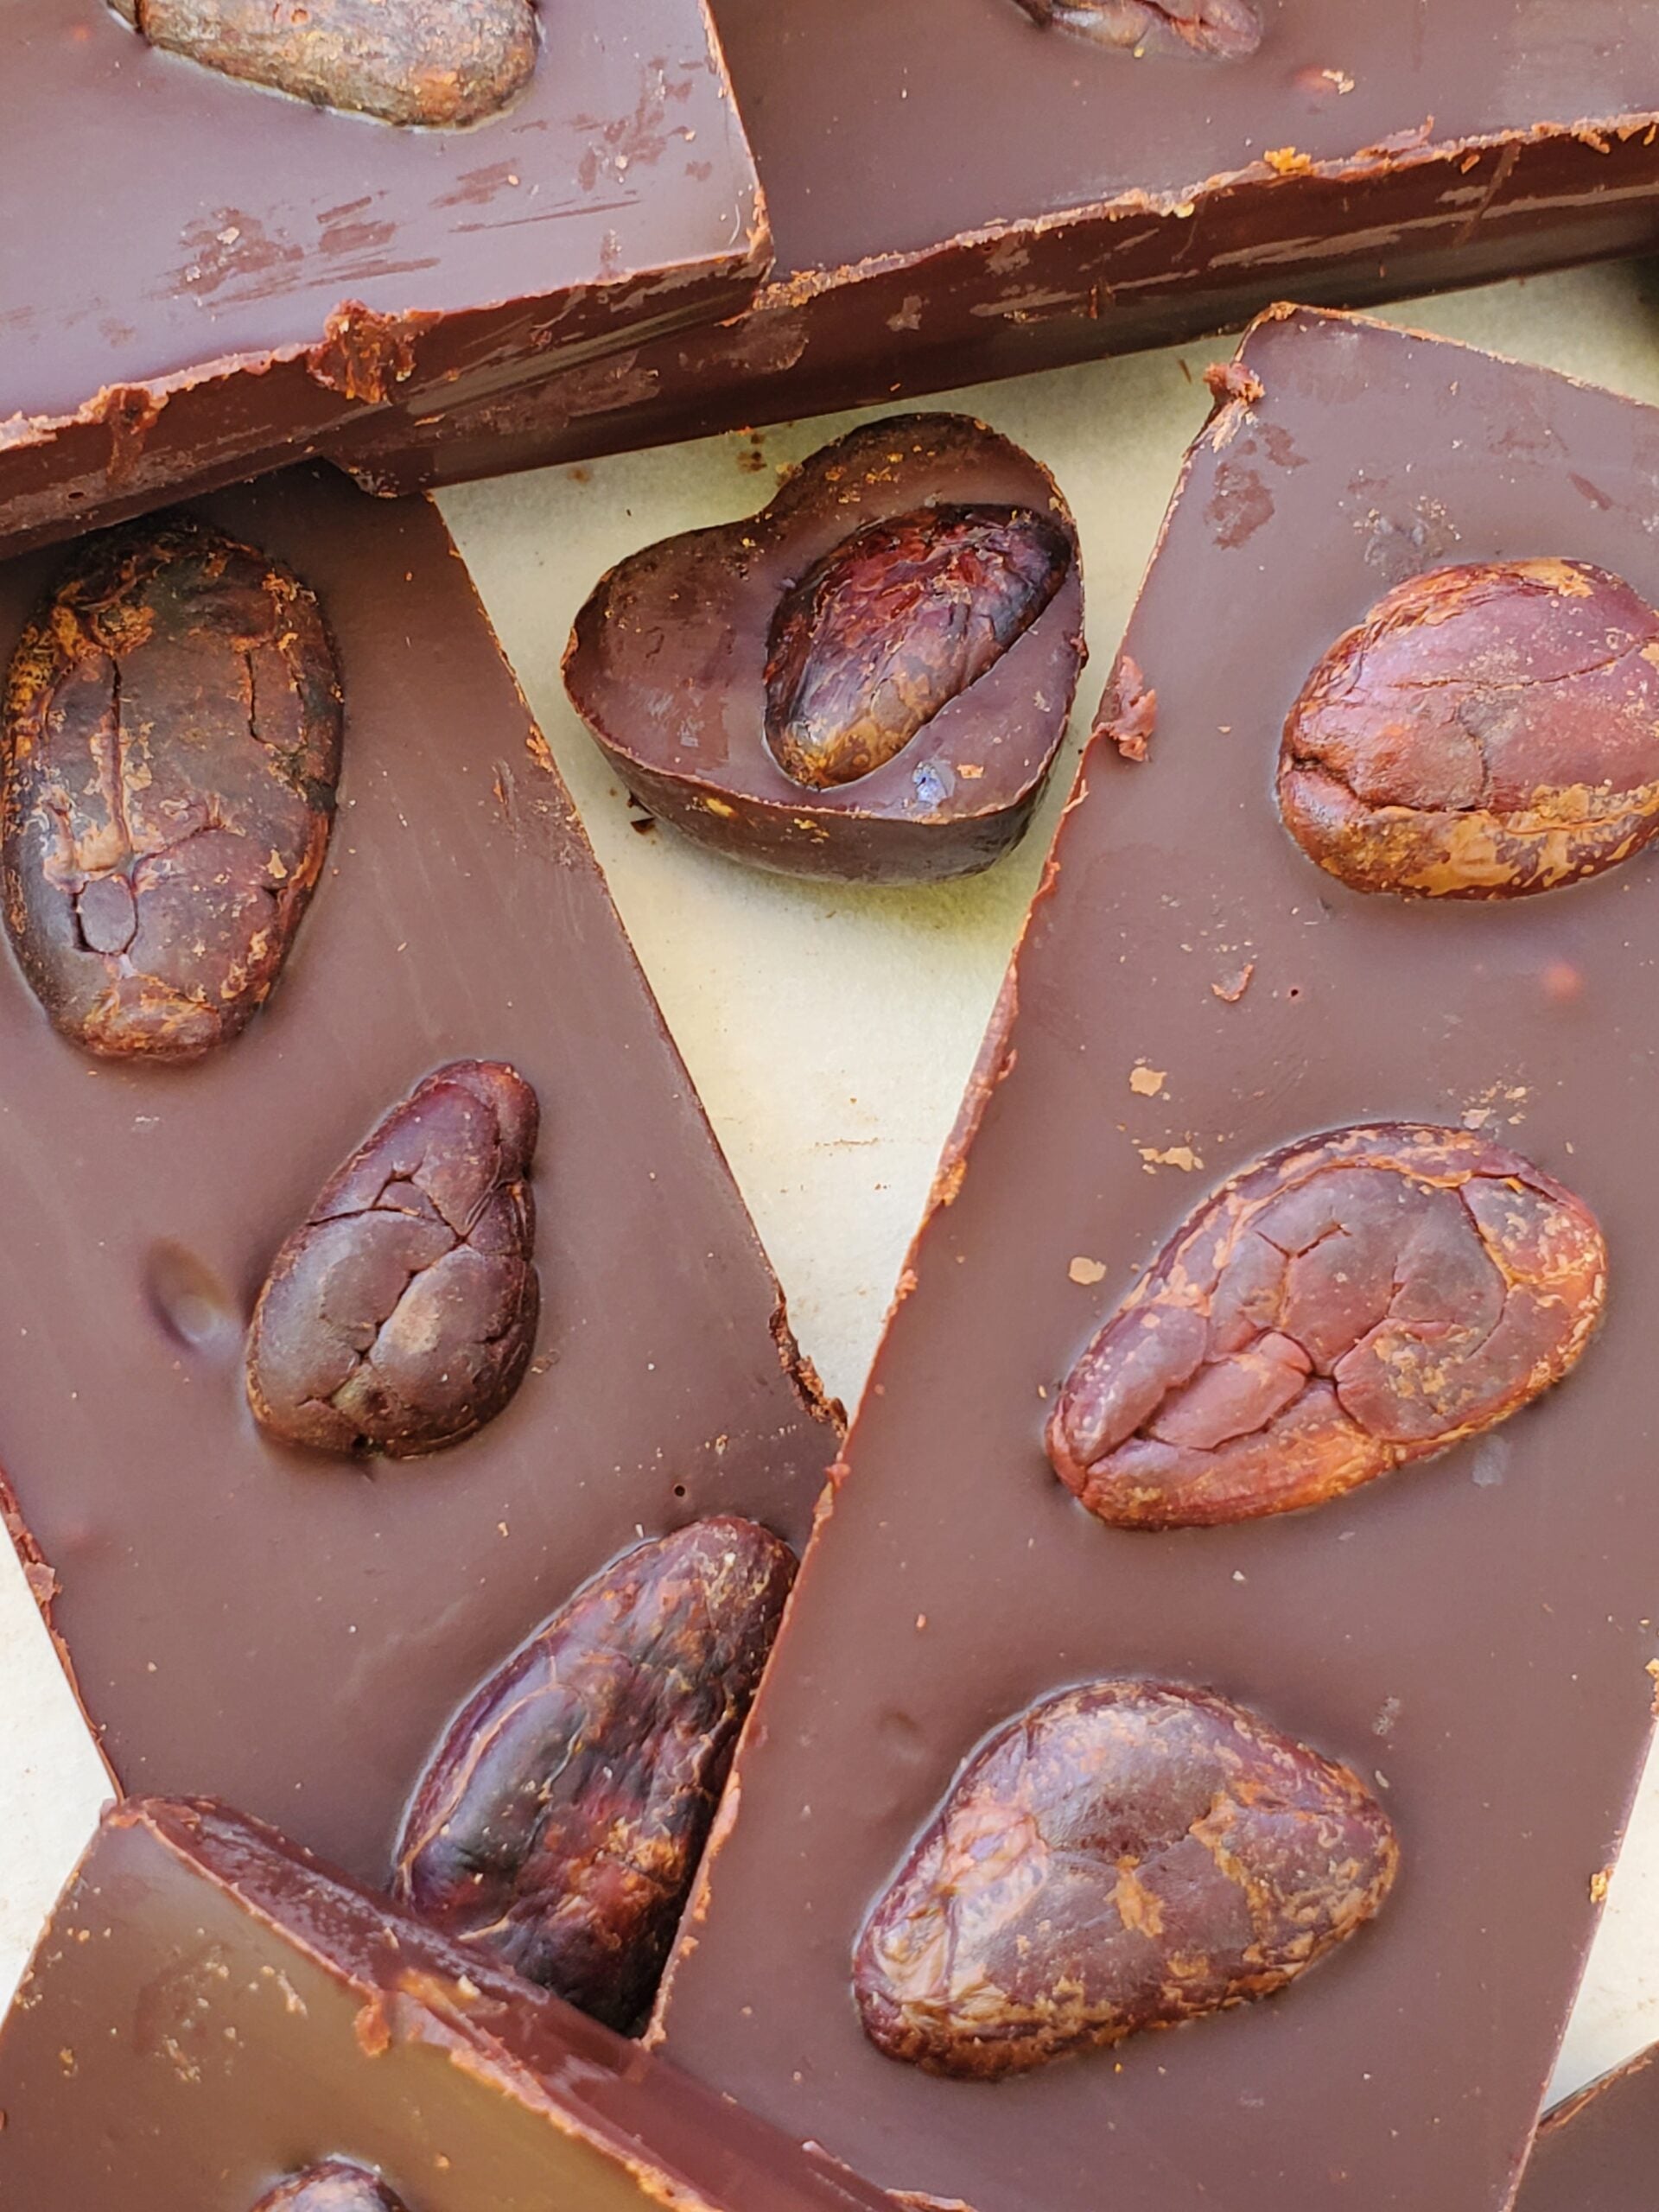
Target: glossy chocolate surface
1599 2152
1469 1636
956 193
281 1626
198 276
211 2012
668 665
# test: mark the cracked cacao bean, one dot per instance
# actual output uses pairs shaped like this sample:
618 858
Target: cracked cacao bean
172 735
439 62
1354 1302
892 624
560 1825
1222 30
400 1316
334 2186
1122 1856
1487 731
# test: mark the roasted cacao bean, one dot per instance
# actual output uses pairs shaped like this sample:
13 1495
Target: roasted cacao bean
172 737
560 1824
1122 1856
334 2186
401 1315
1487 731
1223 30
892 624
441 62
1354 1302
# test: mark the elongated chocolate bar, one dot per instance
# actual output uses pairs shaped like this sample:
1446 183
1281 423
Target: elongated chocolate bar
214 2018
581 1315
1598 2151
957 192
203 272
1258 1171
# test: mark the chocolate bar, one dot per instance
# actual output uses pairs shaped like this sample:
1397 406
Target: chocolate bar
957 193
202 274
291 1614
1596 2151
214 2017
1269 1192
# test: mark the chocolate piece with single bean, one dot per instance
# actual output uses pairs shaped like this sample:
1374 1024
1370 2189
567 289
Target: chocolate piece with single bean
1352 1303
1222 30
560 1824
429 62
334 2186
401 1316
172 736
1488 730
1122 1856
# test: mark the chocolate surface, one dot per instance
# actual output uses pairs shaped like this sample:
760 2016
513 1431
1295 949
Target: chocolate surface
242 1616
724 671
956 193
201 275
1599 2152
1472 1639
212 2015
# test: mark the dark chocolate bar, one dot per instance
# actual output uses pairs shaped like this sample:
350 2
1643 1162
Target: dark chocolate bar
956 193
296 1628
1599 2150
1468 1634
214 2018
200 276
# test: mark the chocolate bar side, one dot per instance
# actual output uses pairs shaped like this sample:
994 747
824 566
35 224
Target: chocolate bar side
1119 203
211 2011
210 275
1598 2152
289 1628
1191 994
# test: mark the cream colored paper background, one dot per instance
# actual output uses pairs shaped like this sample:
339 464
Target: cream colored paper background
832 1032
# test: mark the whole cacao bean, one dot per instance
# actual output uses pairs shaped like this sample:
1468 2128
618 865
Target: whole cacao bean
1353 1302
559 1825
1122 1856
441 63
893 622
401 1315
1487 731
334 2186
1223 30
172 735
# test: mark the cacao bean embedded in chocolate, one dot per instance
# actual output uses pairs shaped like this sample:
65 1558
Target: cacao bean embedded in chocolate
334 2186
401 1315
172 735
560 1824
1122 1856
440 62
1354 1302
1222 30
893 622
1488 730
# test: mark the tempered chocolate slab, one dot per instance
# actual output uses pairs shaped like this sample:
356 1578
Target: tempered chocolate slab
210 2012
1470 1635
956 194
292 1629
1598 2153
199 276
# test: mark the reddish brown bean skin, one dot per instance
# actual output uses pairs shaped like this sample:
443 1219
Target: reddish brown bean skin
1220 30
334 2186
401 1315
439 62
1489 731
172 737
1352 1303
559 1825
895 623
1122 1856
